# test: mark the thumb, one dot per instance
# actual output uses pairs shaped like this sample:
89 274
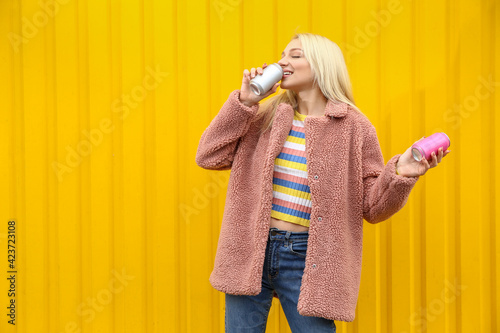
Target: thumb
419 139
246 76
272 91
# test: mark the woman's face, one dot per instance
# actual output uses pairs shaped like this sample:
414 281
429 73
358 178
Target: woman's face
294 61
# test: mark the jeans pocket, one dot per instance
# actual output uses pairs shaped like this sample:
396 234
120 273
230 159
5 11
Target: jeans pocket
298 247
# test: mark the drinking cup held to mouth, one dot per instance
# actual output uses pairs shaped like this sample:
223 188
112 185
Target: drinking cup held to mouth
424 147
261 84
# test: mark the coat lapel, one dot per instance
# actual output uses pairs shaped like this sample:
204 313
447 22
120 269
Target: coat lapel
336 109
282 124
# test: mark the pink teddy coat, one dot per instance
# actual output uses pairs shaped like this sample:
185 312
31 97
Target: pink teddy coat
348 182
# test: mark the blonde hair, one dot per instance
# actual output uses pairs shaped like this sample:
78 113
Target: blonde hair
329 71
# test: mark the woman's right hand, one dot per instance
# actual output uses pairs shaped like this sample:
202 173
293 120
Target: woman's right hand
247 97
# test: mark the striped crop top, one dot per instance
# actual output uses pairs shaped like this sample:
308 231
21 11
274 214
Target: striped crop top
291 194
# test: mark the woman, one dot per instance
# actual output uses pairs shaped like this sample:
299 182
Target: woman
306 169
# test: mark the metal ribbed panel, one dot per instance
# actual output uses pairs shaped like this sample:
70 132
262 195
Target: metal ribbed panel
104 103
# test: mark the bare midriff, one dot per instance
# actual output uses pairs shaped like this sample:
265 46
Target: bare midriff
284 225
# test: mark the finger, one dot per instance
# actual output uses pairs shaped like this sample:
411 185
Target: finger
439 154
259 70
264 66
426 163
246 75
252 72
434 160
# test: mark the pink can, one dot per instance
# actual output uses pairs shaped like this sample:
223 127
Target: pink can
424 147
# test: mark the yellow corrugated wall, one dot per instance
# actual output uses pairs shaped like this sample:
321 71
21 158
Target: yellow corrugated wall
102 107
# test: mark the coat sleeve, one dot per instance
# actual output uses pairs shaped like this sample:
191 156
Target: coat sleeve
384 191
219 141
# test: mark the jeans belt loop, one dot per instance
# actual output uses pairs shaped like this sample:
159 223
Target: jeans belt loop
287 237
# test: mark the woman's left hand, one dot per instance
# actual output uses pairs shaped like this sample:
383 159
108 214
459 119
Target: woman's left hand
409 167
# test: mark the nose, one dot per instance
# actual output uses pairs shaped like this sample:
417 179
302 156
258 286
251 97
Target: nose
282 63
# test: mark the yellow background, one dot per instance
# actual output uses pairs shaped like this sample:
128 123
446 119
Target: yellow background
117 227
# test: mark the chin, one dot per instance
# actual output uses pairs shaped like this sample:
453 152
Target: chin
287 87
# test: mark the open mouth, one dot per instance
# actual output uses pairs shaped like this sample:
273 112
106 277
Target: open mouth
287 74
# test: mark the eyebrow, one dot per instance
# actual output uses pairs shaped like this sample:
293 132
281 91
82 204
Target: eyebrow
296 48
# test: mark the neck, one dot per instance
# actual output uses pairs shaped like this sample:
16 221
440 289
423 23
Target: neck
311 102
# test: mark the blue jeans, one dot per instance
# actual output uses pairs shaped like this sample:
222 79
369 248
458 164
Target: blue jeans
283 268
